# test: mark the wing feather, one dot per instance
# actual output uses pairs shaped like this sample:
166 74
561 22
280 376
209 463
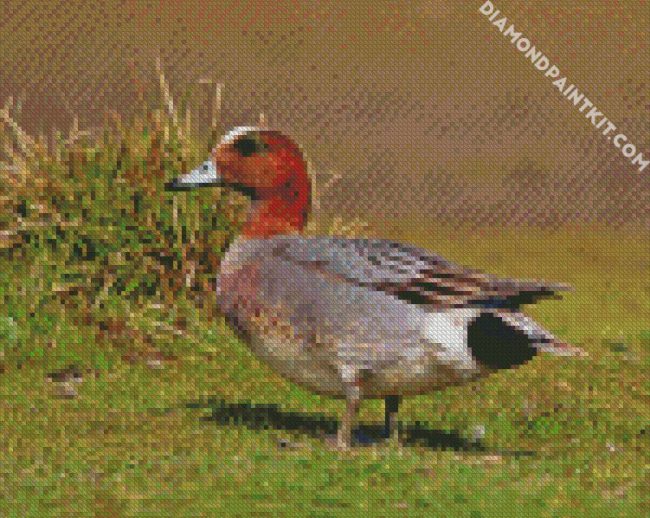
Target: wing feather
409 273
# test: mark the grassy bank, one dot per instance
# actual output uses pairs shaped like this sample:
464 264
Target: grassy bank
124 393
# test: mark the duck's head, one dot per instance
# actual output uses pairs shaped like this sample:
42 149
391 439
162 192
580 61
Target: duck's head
269 168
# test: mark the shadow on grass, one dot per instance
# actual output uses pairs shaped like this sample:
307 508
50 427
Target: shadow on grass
271 417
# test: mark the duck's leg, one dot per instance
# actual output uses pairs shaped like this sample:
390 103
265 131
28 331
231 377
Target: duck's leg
351 380
352 404
390 417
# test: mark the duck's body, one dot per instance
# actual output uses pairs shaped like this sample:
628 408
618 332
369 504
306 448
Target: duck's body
317 308
357 318
311 325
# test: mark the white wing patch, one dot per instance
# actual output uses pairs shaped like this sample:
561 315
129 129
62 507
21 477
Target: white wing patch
448 331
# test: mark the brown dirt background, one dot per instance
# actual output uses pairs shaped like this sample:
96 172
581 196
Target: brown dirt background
425 110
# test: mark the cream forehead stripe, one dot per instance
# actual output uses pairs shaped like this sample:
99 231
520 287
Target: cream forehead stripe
239 131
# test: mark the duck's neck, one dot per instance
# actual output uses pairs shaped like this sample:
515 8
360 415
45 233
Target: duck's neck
281 210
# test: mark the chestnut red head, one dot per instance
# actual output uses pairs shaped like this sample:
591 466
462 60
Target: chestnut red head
267 166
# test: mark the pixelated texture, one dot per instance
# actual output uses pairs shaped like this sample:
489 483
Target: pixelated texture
285 259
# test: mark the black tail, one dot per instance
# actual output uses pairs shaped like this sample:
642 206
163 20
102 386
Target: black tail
498 345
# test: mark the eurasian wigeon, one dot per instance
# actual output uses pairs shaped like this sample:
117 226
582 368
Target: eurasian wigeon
356 318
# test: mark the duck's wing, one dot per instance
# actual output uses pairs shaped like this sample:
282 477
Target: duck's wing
409 273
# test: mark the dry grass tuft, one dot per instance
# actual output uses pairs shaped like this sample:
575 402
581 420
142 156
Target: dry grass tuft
92 203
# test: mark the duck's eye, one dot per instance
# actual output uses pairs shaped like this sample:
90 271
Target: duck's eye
248 146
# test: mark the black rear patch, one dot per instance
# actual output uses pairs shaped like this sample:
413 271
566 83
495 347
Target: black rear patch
497 345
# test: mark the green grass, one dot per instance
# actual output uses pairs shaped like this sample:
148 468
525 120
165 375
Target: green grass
97 278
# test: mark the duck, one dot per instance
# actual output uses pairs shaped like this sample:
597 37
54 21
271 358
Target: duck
356 318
